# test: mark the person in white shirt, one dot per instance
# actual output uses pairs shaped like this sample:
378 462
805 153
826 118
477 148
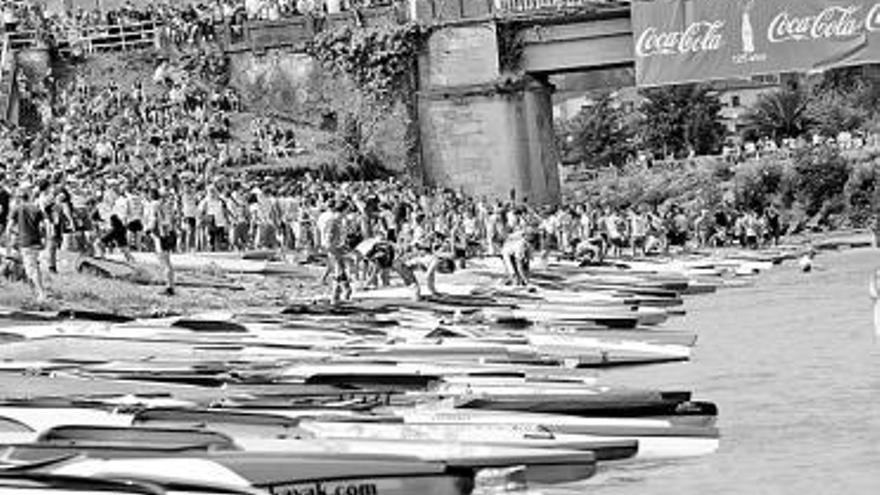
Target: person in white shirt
189 210
331 232
638 231
213 210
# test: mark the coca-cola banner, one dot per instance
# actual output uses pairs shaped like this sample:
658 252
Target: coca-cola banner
678 41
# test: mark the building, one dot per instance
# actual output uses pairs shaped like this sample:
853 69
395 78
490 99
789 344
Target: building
737 96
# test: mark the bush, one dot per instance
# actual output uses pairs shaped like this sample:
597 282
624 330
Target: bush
758 183
682 183
820 175
860 192
814 188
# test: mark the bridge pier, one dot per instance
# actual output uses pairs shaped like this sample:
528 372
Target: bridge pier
482 131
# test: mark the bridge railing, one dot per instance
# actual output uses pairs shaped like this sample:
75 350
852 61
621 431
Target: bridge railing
116 37
523 6
298 30
93 38
456 10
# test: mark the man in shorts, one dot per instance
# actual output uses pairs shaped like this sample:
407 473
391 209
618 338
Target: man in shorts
161 221
331 230
28 223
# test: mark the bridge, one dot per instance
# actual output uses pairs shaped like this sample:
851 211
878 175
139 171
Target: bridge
483 136
485 118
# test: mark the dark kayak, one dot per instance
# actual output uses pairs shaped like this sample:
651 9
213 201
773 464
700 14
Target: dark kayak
625 405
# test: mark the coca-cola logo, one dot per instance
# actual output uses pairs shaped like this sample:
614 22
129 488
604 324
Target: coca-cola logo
872 22
833 22
698 37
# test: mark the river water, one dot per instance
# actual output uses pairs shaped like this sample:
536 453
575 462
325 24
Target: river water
794 366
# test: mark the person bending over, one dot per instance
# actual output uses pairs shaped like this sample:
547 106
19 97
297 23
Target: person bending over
115 237
516 253
384 259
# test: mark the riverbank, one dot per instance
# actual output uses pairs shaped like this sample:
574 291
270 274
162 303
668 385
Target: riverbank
83 291
70 289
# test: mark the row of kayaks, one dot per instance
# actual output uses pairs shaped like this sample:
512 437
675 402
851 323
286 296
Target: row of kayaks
486 389
118 435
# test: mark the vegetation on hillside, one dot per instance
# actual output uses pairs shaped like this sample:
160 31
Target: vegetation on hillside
813 185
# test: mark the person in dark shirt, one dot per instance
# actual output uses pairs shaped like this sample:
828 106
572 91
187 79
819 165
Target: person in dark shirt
27 224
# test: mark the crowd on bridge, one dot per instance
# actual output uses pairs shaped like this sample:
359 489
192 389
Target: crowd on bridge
184 23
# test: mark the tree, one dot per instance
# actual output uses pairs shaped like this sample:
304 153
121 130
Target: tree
843 99
779 114
597 136
832 112
678 120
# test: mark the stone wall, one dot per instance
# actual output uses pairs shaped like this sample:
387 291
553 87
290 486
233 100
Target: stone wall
291 84
278 80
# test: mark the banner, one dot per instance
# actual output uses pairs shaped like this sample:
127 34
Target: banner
680 41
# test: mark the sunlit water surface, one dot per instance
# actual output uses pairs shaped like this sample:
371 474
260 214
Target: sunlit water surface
794 366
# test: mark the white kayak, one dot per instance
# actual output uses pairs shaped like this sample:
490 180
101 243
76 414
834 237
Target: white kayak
38 419
658 439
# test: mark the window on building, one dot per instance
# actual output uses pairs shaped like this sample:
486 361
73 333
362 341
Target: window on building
767 79
734 101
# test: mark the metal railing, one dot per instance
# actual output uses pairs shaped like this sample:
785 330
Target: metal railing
92 39
521 6
117 38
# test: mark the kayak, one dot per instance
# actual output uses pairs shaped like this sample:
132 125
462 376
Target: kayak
273 425
658 439
542 465
282 473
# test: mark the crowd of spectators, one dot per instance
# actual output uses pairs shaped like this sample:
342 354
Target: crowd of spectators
112 165
844 140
